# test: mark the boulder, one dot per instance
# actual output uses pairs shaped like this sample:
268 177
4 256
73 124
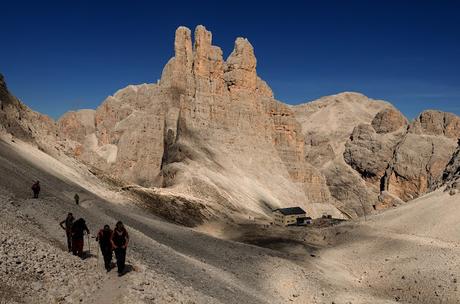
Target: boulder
437 123
369 153
387 200
388 121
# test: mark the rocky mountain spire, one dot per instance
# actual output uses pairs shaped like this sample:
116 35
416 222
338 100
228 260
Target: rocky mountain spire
208 64
178 71
202 70
240 68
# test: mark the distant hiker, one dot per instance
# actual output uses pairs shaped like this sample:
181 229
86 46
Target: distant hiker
104 237
36 189
120 240
78 230
67 226
77 199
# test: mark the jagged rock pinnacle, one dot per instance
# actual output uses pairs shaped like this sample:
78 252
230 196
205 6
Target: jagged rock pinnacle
201 68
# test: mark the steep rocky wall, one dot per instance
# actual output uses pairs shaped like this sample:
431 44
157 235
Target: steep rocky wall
327 124
452 171
18 121
210 129
371 147
407 160
230 110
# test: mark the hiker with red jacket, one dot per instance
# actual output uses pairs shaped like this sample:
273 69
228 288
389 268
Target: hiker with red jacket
104 237
78 231
36 189
120 240
67 226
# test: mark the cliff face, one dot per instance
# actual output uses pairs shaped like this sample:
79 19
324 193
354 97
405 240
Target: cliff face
327 125
369 153
211 135
451 174
210 129
18 121
406 160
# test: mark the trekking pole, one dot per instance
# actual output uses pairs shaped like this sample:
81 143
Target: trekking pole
97 258
89 245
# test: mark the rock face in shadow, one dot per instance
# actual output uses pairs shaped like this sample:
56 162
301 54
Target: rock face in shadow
452 171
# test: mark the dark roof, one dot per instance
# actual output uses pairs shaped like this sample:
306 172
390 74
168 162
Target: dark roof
291 211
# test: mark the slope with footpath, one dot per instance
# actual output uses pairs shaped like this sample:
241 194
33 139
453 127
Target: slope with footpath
169 263
407 254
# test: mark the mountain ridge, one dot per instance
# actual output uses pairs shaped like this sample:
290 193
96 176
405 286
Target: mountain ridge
211 131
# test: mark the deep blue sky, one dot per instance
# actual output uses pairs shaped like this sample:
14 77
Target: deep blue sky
63 55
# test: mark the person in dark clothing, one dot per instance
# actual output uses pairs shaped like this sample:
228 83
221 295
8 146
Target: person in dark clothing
104 237
77 198
120 240
36 189
67 226
78 231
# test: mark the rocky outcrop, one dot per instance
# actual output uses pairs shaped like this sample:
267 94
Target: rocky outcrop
387 200
405 160
364 152
209 130
421 159
327 124
370 153
371 147
124 136
437 123
418 165
240 70
353 196
77 125
388 121
18 121
451 174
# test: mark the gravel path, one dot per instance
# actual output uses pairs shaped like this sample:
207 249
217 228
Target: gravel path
187 265
409 254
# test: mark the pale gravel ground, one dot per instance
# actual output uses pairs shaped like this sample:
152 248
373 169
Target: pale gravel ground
406 255
174 264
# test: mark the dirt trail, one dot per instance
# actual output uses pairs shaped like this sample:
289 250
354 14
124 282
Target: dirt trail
404 255
185 263
112 290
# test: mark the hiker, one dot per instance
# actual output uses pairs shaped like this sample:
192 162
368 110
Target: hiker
78 230
67 226
120 240
77 198
36 189
104 237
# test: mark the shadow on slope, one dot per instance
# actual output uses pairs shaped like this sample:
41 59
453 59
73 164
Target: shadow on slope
227 271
